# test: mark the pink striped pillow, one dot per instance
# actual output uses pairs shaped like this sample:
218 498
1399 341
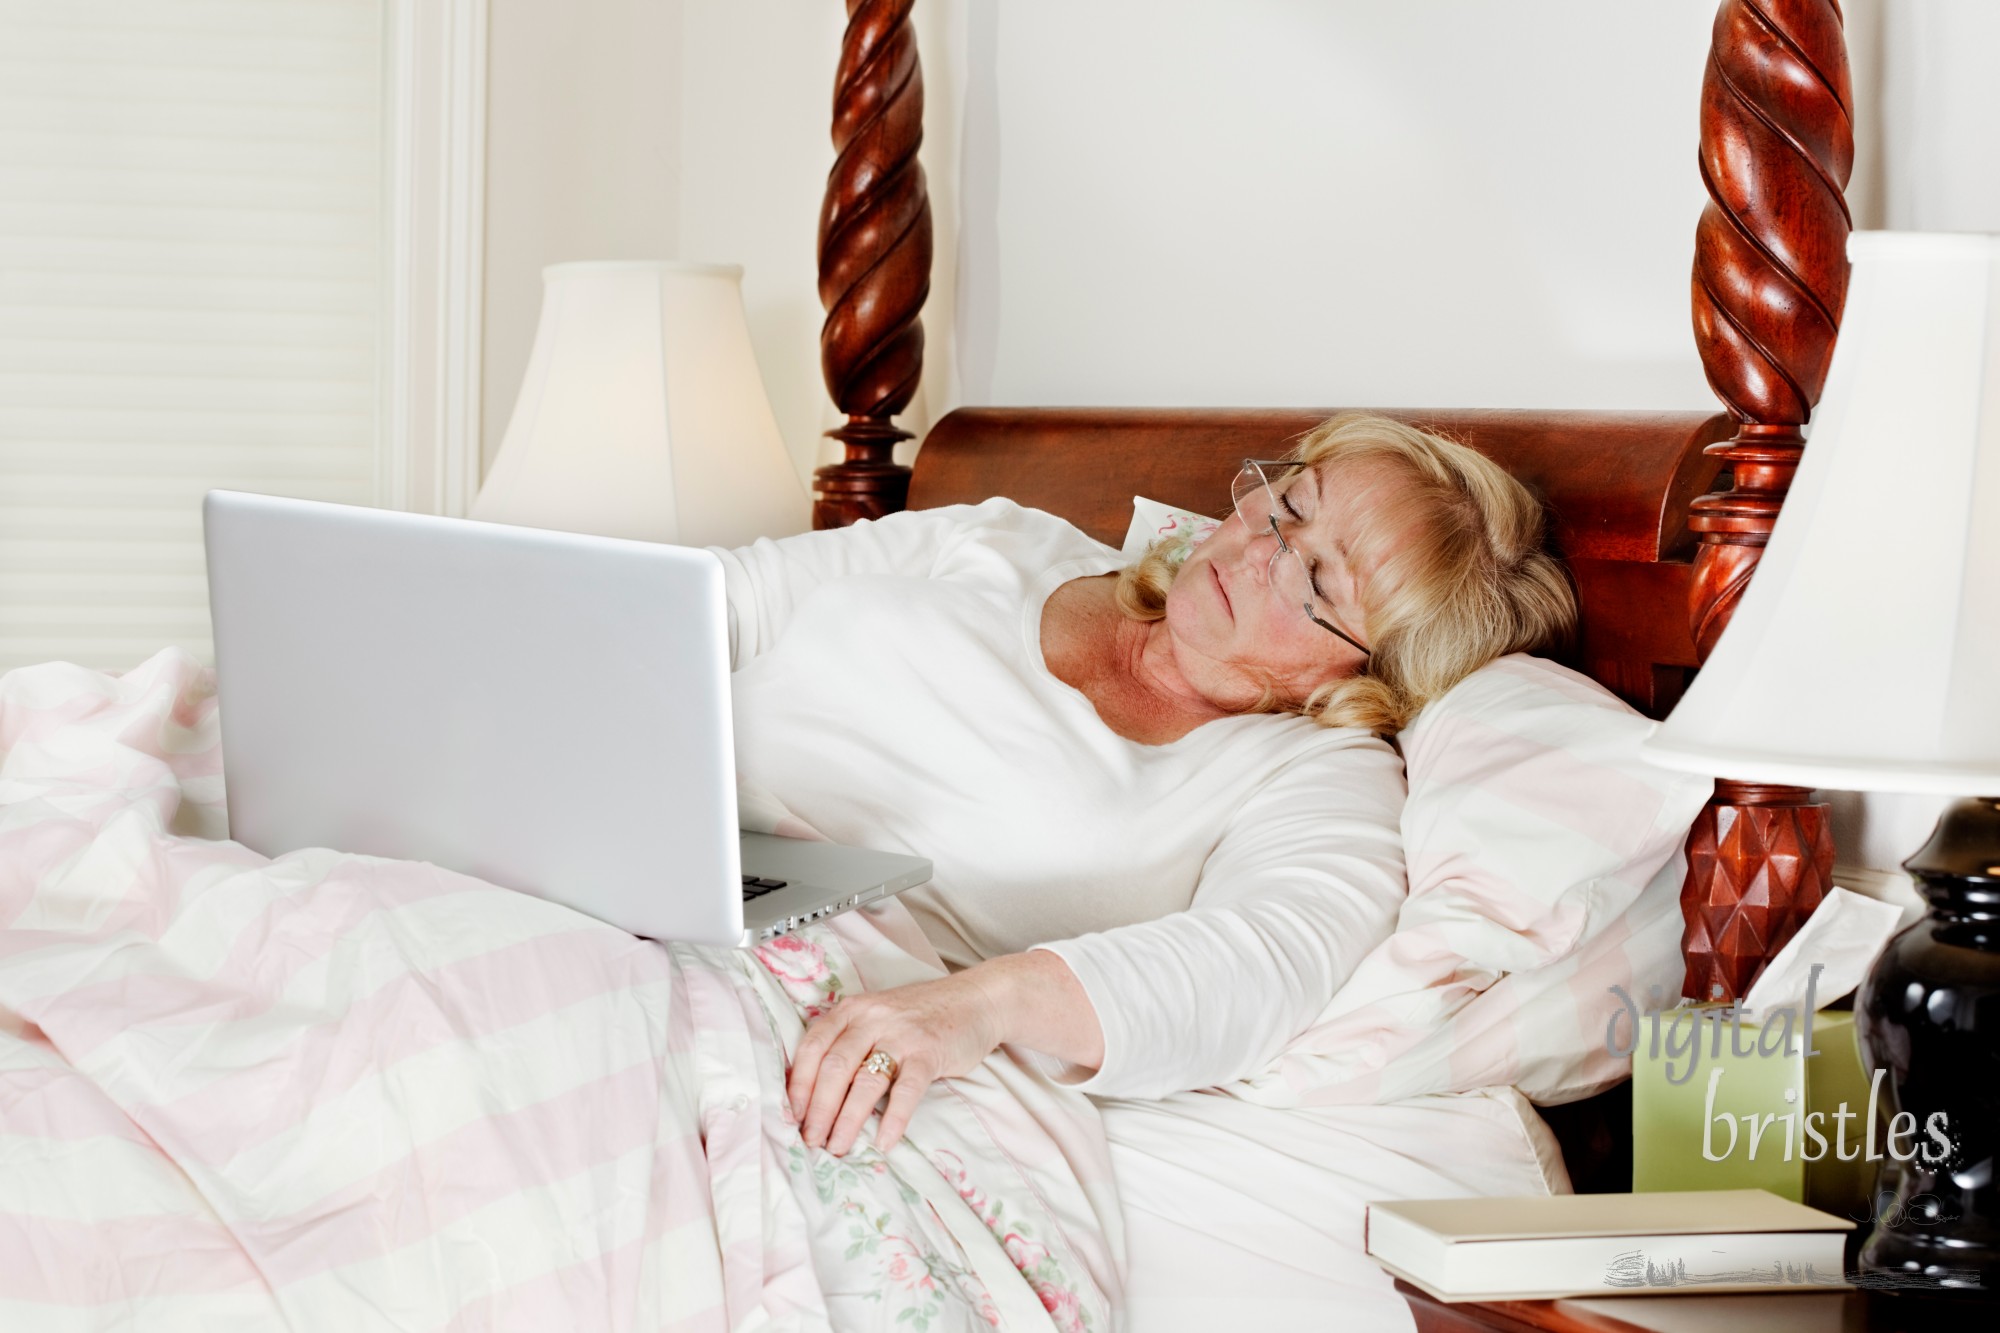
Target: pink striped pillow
1545 865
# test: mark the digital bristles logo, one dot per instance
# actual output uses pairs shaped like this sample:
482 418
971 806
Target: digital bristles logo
1676 1034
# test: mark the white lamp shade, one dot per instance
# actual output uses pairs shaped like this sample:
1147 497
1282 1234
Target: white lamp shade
1865 654
642 413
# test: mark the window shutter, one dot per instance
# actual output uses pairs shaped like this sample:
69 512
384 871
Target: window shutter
191 296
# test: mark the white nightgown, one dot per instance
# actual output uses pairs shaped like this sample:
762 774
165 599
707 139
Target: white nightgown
1210 894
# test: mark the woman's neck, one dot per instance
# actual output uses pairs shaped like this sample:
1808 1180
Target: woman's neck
1125 667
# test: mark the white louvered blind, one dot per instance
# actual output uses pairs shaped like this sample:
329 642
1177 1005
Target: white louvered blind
191 296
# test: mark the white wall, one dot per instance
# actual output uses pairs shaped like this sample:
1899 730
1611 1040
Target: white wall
756 86
1941 115
1430 203
583 160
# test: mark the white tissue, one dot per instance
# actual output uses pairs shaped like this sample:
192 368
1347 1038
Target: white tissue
1842 937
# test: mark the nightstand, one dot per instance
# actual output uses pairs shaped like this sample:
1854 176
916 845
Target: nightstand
1829 1312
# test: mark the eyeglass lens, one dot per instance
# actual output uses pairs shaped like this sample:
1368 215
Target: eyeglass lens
1256 500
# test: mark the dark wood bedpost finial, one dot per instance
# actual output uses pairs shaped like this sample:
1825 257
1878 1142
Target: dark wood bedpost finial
874 260
1770 278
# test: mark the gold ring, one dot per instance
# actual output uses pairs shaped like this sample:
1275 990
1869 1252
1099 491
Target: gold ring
883 1063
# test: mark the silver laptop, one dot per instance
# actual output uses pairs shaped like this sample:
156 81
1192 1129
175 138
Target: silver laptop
543 710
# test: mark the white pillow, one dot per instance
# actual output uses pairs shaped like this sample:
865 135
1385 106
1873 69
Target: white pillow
1533 811
1154 522
1545 861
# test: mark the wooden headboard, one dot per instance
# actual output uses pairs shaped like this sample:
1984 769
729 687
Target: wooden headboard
1662 538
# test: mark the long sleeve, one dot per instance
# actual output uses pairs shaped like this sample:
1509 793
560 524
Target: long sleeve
1305 880
766 580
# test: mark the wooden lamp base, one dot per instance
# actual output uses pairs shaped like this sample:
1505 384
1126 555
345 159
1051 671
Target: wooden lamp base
1760 860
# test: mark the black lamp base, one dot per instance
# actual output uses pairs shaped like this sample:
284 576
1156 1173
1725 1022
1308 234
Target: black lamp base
1929 1016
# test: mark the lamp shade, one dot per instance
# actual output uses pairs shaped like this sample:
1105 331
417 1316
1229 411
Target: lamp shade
1865 654
642 413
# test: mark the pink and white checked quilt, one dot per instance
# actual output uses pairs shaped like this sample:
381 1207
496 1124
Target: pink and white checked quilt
339 1092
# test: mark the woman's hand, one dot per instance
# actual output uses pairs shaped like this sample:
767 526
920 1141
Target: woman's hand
933 1029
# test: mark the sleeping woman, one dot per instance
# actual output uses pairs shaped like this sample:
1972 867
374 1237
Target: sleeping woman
1163 818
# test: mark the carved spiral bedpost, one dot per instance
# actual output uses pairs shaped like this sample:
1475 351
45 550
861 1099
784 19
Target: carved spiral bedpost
1770 278
874 260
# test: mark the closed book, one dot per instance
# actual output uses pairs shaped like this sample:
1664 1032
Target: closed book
1608 1244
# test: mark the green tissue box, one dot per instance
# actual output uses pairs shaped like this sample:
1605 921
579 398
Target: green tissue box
1720 1102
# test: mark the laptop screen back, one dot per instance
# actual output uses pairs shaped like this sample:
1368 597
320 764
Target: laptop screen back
543 710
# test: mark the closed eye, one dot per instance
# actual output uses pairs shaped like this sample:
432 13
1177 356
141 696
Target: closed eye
1312 568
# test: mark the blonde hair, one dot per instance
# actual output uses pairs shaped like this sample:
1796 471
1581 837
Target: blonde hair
1472 584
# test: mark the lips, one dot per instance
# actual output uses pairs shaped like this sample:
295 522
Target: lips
1215 572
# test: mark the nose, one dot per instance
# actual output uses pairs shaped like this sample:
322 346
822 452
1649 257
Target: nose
1263 556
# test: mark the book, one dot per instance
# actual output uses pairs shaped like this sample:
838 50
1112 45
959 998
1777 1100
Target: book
1608 1244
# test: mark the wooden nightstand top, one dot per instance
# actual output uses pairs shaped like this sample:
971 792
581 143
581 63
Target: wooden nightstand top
1787 1312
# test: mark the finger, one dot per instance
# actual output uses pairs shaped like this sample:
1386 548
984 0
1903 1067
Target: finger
862 1096
820 1034
836 1073
905 1095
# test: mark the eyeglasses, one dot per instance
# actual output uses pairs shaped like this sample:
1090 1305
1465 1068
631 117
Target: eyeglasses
1259 506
